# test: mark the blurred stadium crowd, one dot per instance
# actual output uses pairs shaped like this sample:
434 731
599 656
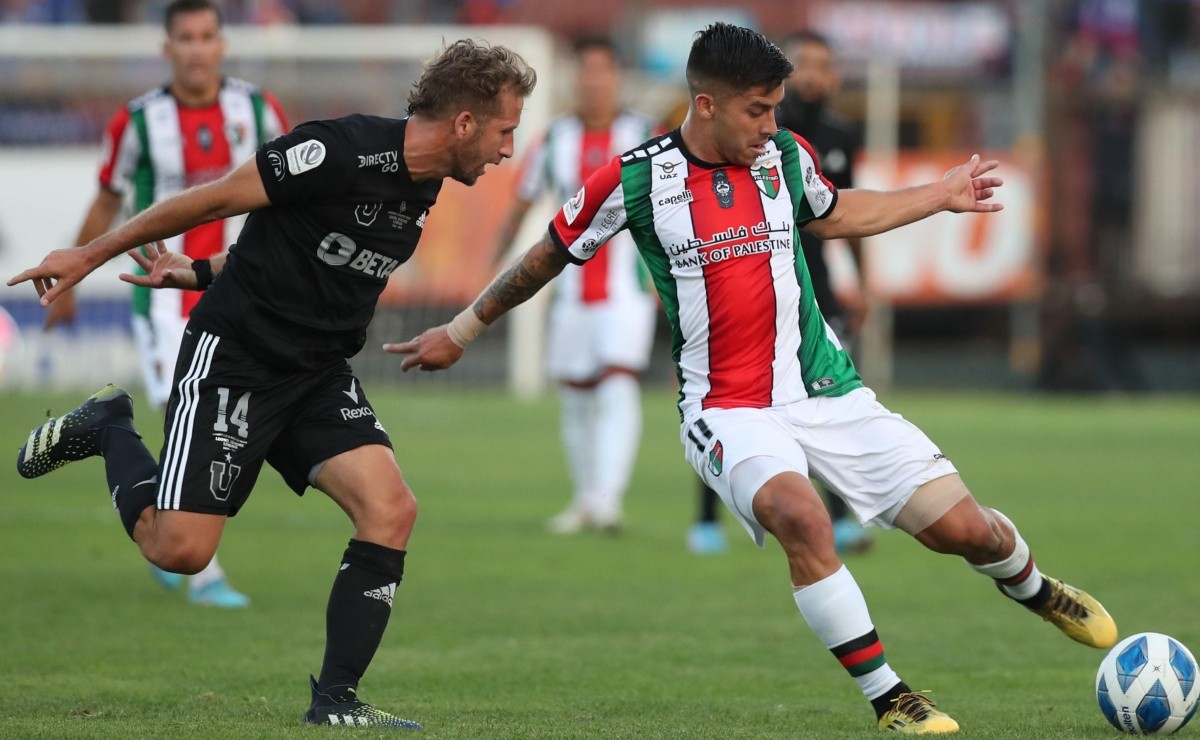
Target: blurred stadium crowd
1098 101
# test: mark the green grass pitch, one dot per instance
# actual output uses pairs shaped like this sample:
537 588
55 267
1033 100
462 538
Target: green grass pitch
502 630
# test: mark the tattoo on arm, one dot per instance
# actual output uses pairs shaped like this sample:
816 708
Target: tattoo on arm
520 281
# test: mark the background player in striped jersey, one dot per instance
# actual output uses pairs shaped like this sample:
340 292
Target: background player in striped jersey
767 393
601 322
836 141
193 130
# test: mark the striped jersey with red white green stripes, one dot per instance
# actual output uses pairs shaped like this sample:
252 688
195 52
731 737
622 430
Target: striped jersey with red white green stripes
154 148
565 158
722 246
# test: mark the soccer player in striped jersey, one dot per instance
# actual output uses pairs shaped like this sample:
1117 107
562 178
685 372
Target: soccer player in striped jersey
601 322
193 130
767 394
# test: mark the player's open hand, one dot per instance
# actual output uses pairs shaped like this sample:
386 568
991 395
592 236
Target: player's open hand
969 189
61 269
433 350
164 269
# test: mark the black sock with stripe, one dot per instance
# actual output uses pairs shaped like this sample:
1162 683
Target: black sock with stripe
709 501
360 604
132 474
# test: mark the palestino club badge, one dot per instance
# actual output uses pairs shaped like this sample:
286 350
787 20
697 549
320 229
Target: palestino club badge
716 458
767 180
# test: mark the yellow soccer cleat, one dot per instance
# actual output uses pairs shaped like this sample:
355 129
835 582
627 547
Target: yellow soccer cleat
1078 615
913 713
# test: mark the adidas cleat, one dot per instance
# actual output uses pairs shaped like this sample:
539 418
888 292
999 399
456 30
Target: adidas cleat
1078 615
343 707
913 713
76 435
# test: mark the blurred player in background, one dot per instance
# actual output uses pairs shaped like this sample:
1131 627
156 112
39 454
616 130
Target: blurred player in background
767 395
191 131
837 141
601 322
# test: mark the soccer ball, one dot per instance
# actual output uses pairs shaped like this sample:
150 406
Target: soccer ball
1148 684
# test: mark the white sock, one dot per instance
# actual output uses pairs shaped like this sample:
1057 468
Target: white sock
617 429
578 408
836 611
212 572
1017 575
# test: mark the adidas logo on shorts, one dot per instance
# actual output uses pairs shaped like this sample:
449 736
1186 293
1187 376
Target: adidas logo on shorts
383 593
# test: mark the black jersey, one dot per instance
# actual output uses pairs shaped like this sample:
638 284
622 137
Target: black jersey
300 285
837 141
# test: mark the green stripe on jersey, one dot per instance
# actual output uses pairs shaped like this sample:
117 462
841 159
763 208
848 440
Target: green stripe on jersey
260 117
636 180
827 370
143 198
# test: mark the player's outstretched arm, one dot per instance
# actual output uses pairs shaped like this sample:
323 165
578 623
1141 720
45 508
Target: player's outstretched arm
860 213
241 191
440 347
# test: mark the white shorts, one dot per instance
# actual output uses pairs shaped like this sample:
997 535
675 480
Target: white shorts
870 457
158 339
585 338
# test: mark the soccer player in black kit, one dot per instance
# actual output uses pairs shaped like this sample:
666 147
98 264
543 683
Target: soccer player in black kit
335 207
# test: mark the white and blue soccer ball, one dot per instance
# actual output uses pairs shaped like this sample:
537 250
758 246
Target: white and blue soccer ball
1148 684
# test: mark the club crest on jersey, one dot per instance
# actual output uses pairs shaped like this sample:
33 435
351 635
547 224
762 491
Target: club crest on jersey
278 168
716 458
204 138
221 478
573 206
365 213
722 188
767 180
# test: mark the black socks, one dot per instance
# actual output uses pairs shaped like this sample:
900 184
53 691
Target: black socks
132 474
359 606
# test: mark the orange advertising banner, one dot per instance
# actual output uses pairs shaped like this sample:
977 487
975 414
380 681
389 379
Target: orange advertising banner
956 258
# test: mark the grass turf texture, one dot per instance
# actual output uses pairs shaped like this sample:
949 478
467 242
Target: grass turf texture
503 630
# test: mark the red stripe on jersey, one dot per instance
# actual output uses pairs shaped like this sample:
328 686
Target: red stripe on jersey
206 157
113 134
740 293
813 153
272 101
593 153
596 190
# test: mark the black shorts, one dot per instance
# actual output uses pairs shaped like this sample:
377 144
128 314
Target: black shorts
229 412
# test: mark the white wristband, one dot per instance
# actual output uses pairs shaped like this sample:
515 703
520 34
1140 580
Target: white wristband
464 327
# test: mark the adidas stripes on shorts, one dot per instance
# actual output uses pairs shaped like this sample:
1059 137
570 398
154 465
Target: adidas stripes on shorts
228 413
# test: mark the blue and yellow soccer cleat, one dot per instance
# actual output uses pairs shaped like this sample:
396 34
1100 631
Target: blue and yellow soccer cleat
341 706
851 537
1078 615
913 713
76 435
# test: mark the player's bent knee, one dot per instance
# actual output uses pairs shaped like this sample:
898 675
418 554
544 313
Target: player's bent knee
788 507
388 516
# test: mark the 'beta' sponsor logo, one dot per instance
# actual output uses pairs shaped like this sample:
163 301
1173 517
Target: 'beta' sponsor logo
305 156
348 414
677 199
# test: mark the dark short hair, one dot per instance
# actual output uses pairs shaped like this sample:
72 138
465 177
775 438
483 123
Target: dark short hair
179 7
470 75
734 58
808 36
589 43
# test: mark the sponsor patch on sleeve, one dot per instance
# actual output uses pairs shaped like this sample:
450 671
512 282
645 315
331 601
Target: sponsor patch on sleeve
305 156
573 206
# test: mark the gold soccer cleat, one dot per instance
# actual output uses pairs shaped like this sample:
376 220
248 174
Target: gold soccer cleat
1078 615
913 713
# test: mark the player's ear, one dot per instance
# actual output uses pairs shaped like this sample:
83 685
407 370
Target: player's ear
465 124
705 105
